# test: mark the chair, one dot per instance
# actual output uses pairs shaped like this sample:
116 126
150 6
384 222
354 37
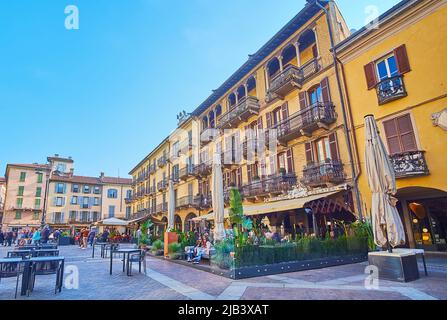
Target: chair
43 268
39 253
48 246
110 247
140 258
12 269
24 254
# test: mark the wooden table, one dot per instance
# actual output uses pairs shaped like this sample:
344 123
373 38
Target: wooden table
124 252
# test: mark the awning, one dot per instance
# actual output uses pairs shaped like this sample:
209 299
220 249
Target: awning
144 218
112 222
277 206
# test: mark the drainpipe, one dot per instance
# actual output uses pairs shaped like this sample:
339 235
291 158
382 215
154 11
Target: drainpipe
343 108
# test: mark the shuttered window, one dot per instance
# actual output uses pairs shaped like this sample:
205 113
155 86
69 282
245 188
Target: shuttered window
400 134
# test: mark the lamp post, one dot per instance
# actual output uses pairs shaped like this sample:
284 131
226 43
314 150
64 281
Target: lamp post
48 173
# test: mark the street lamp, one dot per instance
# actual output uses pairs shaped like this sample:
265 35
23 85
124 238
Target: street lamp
48 173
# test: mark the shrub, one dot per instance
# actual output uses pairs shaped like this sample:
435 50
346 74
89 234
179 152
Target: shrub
157 245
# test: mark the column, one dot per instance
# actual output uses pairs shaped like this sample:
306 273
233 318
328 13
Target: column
297 48
281 68
314 29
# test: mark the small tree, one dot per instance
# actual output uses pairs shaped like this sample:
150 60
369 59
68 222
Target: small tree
237 218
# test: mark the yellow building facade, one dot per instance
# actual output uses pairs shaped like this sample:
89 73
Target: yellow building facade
397 73
277 126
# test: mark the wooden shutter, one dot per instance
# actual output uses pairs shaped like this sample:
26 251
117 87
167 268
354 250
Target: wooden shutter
309 154
403 64
239 176
315 51
268 117
333 146
392 136
249 172
303 100
407 138
285 111
370 74
290 166
325 91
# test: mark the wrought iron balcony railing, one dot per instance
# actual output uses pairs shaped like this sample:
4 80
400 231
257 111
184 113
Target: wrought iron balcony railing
162 185
274 184
290 78
162 161
244 109
390 89
203 169
328 172
410 163
186 172
304 122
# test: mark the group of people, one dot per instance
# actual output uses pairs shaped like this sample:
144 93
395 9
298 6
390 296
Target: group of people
85 237
29 236
203 247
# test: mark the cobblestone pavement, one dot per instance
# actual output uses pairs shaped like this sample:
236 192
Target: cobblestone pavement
168 281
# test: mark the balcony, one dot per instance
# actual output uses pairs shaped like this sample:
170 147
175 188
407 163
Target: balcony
207 135
305 122
324 173
291 78
186 172
151 190
268 186
411 163
202 202
203 169
250 148
245 108
390 89
230 159
162 185
184 202
162 161
152 168
185 146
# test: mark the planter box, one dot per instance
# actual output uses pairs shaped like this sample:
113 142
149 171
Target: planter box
170 237
65 241
395 266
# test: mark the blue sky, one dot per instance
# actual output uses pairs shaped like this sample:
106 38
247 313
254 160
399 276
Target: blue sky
108 93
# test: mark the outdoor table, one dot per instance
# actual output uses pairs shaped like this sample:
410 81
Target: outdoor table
27 275
102 245
19 253
18 261
124 252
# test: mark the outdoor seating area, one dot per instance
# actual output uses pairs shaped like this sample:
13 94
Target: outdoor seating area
29 261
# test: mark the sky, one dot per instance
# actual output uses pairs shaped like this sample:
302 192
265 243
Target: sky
108 93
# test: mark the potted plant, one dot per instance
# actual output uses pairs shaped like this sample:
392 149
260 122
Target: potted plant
157 248
174 251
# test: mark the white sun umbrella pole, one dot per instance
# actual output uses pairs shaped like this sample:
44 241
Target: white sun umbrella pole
171 206
218 198
387 225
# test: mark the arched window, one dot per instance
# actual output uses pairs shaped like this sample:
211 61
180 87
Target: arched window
232 100
289 55
178 226
218 111
273 67
308 41
251 87
189 225
241 94
211 119
204 122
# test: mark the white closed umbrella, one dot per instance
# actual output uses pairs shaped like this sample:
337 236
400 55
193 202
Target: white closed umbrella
387 225
171 206
218 198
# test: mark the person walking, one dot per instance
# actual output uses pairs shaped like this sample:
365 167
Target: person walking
45 234
84 235
9 236
91 236
36 237
2 237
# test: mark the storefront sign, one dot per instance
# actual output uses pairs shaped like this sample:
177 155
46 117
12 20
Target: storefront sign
302 192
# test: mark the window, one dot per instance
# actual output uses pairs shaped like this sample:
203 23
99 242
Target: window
96 201
84 216
39 178
322 150
175 172
175 149
38 192
74 200
37 204
315 95
96 190
400 134
73 215
96 216
19 203
128 212
35 215
112 193
386 68
129 194
85 204
111 211
22 176
75 188
20 191
18 215
86 189
60 188
59 201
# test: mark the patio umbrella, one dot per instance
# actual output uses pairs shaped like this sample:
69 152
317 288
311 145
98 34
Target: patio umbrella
171 206
387 226
218 198
113 222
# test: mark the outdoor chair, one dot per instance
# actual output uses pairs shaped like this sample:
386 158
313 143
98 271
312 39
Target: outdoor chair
24 254
43 268
39 253
140 258
108 247
10 270
26 247
48 246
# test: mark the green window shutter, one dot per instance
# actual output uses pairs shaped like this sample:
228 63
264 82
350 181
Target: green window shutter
22 176
20 191
18 215
38 192
39 178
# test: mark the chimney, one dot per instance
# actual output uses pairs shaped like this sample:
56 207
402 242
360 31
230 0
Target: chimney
101 176
71 172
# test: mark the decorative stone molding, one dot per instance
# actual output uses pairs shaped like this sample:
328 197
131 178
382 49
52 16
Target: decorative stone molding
439 119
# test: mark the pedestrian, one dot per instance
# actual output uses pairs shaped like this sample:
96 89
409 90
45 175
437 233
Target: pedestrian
45 234
2 237
138 235
9 236
84 236
57 235
14 237
105 235
91 236
36 237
